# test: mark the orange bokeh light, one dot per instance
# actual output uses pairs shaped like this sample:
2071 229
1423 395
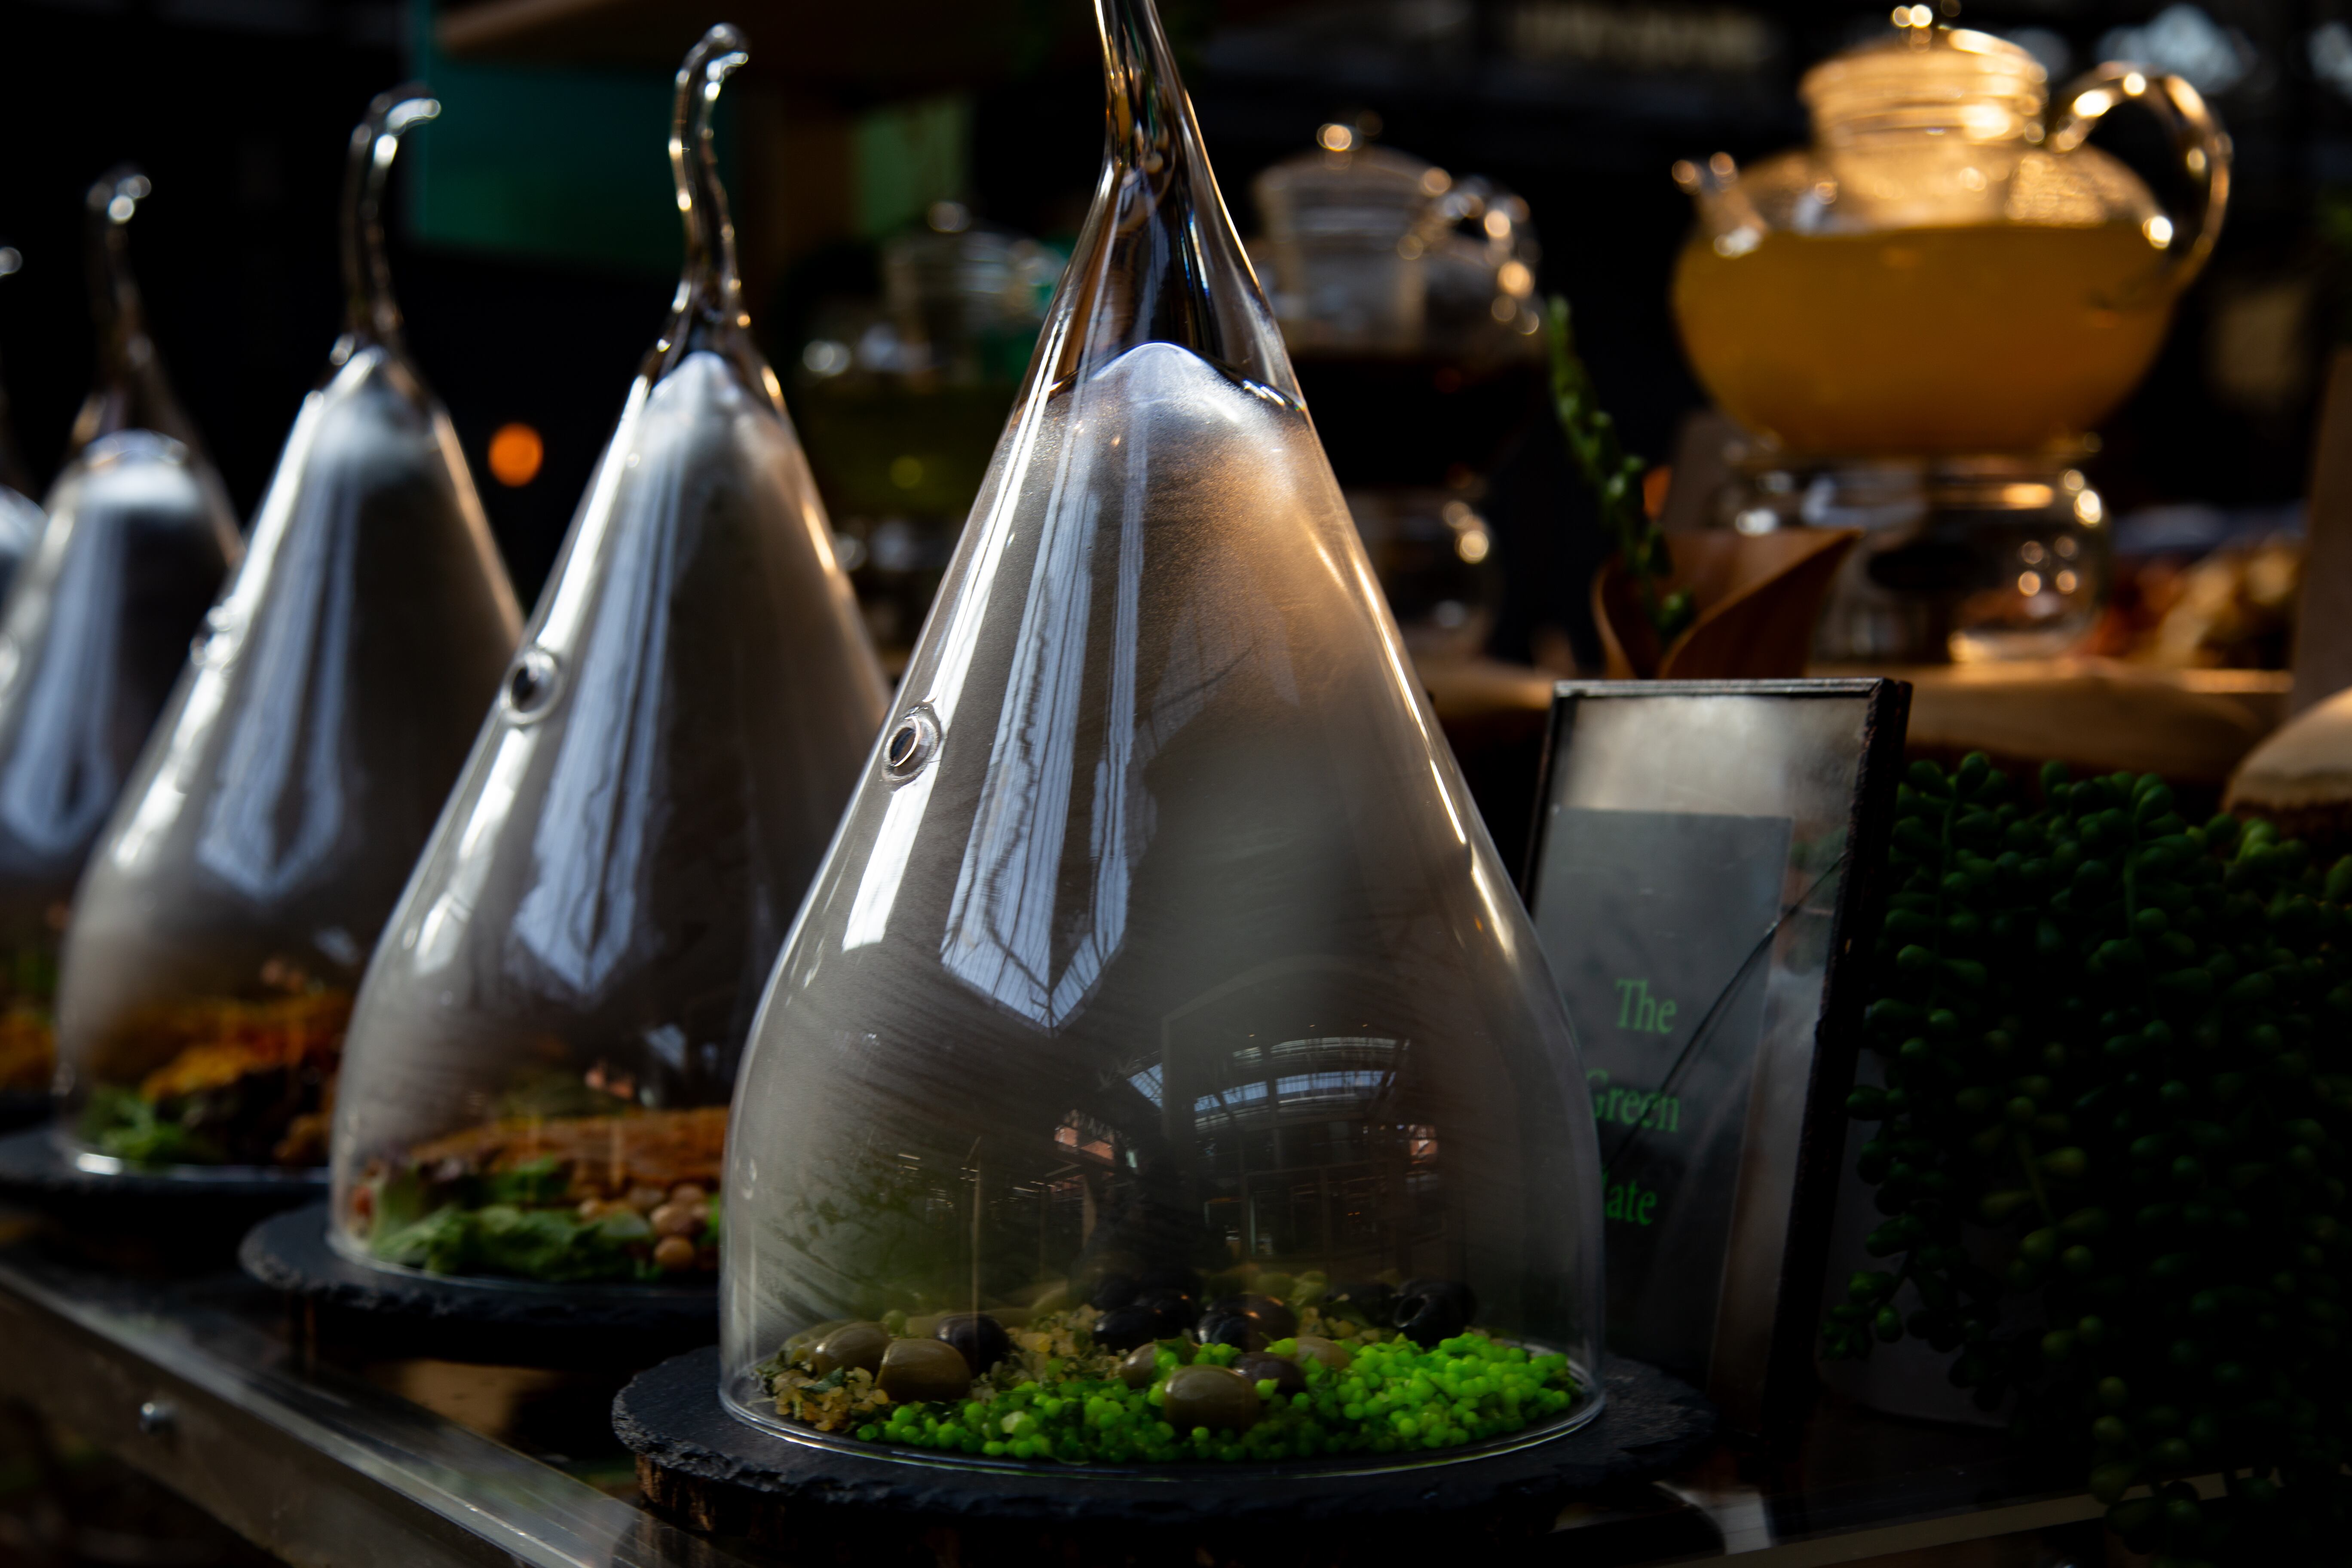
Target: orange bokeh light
516 452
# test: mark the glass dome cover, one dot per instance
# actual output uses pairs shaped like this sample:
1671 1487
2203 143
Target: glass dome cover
535 1075
28 1054
1161 1052
20 516
220 931
96 625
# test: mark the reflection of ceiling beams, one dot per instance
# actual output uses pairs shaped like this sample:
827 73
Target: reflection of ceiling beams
886 51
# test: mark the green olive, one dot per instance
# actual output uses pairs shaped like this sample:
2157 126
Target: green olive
1315 1347
851 1345
916 1370
1211 1397
801 1345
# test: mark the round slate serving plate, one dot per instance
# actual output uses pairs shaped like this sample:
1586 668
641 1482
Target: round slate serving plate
34 1163
23 1108
519 1323
719 1473
127 1218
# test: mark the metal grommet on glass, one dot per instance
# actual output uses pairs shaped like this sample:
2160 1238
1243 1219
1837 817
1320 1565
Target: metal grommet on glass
911 745
529 689
217 639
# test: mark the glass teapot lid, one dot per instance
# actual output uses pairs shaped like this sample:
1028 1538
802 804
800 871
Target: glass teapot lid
1162 1026
1927 79
1933 126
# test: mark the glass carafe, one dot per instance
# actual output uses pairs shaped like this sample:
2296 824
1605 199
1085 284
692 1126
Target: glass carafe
1162 1024
1404 296
97 624
1944 270
535 1081
220 933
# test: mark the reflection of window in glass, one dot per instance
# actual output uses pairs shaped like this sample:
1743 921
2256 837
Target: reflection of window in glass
1309 1157
1081 1134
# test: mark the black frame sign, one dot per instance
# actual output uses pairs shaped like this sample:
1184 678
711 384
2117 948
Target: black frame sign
1695 873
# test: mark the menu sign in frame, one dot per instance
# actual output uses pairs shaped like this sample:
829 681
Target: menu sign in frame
1701 874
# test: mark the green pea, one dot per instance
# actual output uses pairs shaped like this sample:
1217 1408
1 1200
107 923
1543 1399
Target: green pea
2069 1164
2110 1482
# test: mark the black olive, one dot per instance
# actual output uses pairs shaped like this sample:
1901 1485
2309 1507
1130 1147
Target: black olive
1172 1309
1278 1321
1258 1366
1367 1305
981 1338
1238 1329
1124 1328
1113 1291
1429 1311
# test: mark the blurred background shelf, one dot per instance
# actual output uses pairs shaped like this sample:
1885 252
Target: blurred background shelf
537 243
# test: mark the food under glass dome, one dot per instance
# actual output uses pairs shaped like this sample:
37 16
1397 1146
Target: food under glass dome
1162 1067
96 628
535 1082
287 792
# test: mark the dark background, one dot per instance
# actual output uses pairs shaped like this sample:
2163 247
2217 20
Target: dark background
239 111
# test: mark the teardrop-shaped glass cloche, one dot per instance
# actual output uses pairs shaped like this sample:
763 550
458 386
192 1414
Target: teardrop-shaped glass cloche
1162 1028
536 1079
97 623
27 1058
20 516
220 933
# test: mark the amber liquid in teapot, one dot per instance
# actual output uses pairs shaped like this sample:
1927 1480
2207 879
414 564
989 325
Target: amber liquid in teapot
1987 338
1943 272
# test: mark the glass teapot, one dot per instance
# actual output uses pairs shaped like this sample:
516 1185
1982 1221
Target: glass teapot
1945 270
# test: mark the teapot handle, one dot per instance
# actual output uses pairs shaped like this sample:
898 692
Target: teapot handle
2202 145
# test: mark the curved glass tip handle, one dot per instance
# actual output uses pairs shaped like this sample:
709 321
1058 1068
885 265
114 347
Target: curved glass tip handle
371 313
110 203
2198 139
1158 259
709 292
